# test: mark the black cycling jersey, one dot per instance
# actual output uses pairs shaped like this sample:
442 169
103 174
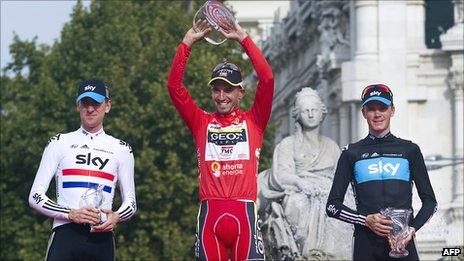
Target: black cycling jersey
382 172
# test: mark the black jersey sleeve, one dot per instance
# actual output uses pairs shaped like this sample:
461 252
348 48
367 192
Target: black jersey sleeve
424 189
335 207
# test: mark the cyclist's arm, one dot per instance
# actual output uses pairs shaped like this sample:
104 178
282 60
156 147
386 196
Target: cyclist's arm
424 189
126 185
262 105
335 207
38 199
179 94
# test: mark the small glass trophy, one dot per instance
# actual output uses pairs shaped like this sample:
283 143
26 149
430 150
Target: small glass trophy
93 197
399 231
218 16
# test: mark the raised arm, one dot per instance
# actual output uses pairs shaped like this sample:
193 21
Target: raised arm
179 94
262 105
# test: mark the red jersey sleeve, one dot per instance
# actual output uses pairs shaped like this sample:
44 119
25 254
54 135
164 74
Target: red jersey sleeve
180 97
262 105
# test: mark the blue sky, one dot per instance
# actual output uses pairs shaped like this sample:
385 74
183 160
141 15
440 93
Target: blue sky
28 19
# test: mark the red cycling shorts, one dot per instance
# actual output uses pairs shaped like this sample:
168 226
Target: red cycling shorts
228 229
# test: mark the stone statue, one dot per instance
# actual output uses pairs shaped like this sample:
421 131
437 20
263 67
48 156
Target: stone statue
331 36
293 193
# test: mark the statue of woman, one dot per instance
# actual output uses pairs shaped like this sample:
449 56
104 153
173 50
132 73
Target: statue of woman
293 192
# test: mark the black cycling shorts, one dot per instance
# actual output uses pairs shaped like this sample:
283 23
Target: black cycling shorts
75 242
368 246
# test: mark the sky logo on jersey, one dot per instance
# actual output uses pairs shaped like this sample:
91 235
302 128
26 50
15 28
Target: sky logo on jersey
88 159
383 168
379 167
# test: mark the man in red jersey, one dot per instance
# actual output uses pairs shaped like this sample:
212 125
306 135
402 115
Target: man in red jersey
228 143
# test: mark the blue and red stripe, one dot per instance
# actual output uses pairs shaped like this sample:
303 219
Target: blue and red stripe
80 184
91 173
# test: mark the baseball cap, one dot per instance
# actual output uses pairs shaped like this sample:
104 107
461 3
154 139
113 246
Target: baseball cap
93 88
227 72
377 92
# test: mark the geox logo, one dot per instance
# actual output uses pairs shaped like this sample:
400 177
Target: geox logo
226 138
377 93
89 88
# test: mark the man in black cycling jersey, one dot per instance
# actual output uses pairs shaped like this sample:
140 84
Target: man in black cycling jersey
382 169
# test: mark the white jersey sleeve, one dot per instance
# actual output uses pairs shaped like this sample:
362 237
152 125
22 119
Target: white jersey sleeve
126 183
38 199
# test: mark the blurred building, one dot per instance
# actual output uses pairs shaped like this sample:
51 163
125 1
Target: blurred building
259 17
413 46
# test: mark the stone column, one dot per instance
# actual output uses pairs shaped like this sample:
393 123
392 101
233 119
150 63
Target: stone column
366 29
363 68
344 134
415 45
452 42
415 15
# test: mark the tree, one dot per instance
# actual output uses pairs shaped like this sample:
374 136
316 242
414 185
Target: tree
129 44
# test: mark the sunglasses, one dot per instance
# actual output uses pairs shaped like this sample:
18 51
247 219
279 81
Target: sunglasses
226 65
378 87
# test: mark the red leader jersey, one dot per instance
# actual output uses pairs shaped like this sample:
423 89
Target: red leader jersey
227 146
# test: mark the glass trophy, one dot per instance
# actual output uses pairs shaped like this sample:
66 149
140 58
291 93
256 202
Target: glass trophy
399 231
218 16
93 197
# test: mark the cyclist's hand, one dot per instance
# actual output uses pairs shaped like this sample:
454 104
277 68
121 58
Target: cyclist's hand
233 31
197 32
85 215
112 219
409 236
379 224
404 241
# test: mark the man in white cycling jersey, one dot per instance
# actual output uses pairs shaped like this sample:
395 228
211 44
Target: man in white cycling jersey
83 162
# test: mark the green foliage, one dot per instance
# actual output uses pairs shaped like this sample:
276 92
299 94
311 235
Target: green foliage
130 45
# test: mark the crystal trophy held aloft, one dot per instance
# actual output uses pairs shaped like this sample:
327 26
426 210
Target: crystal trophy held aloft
218 16
399 231
93 197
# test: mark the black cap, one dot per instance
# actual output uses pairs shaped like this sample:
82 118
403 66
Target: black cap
93 88
227 72
377 92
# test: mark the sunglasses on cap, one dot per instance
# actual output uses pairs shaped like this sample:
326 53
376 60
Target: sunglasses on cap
226 65
379 87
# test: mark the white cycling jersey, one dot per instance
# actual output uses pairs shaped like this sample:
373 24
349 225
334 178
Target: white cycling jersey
79 160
